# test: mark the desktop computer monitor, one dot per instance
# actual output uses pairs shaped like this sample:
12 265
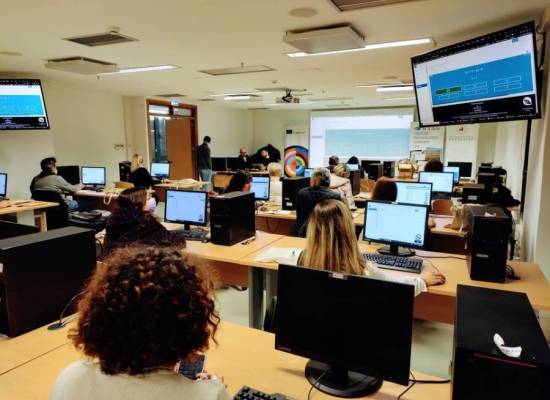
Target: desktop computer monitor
442 182
219 164
308 172
94 176
3 184
396 225
356 330
455 171
233 163
186 207
414 193
352 167
71 173
464 167
160 170
260 187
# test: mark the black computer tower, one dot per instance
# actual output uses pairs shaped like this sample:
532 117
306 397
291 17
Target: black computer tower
124 171
374 171
41 273
232 218
480 370
488 179
474 193
389 168
355 180
291 187
71 173
490 230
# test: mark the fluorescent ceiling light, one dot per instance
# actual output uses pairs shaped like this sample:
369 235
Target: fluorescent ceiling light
237 94
400 43
142 69
399 98
384 89
237 97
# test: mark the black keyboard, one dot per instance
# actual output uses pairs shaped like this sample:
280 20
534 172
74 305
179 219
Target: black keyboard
93 188
247 393
386 261
192 234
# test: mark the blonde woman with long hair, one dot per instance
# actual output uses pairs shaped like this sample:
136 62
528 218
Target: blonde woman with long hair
331 245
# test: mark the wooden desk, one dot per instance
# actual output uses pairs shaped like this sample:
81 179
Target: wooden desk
160 188
26 210
102 200
438 304
264 368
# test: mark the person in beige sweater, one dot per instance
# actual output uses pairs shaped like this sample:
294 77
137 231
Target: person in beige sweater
339 183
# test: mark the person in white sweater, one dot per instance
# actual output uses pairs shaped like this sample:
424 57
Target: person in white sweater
275 185
331 245
339 183
145 311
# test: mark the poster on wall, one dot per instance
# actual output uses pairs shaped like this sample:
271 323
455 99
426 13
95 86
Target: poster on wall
296 160
426 142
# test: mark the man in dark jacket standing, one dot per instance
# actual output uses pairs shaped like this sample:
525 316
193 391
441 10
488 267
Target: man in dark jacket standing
204 160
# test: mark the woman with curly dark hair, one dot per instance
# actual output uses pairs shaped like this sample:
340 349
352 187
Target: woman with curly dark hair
131 223
143 312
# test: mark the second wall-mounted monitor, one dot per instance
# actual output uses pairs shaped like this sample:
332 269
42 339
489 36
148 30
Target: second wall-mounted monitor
484 79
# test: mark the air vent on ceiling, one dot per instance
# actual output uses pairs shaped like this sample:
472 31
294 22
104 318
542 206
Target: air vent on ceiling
101 39
281 89
207 99
170 95
81 65
349 5
243 69
326 38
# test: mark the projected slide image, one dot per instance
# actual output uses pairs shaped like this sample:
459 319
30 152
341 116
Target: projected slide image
367 142
498 78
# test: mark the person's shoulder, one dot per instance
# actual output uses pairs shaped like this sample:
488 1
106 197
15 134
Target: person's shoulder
69 380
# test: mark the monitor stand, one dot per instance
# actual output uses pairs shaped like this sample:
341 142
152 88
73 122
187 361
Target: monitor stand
340 382
393 250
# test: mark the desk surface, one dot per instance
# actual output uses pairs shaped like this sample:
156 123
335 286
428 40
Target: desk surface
264 368
26 205
180 185
532 281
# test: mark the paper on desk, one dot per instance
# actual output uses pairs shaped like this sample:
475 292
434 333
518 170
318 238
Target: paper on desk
281 255
514 352
283 212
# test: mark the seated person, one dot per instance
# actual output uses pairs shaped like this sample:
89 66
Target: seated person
49 180
143 313
245 162
131 222
240 182
385 189
339 183
333 161
353 160
265 158
307 198
275 185
139 175
433 165
331 245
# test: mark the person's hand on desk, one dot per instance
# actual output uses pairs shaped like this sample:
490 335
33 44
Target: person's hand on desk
432 277
206 376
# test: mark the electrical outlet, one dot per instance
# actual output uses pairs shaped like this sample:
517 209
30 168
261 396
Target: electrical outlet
119 146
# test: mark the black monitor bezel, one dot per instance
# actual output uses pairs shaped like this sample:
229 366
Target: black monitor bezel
453 166
94 184
268 188
471 167
187 222
468 45
161 162
415 183
48 126
394 242
438 191
6 184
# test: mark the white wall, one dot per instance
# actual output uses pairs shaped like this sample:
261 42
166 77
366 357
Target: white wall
486 142
135 125
269 126
229 128
510 151
85 126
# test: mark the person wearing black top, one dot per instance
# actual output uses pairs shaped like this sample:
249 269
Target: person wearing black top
204 160
240 182
245 161
265 158
130 223
307 199
139 175
434 165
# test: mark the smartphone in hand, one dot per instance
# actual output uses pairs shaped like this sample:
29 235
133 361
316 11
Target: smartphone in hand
191 368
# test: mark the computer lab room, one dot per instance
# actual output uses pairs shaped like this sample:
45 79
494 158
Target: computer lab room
275 200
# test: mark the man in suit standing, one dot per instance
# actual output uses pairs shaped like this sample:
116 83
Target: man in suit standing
307 198
204 160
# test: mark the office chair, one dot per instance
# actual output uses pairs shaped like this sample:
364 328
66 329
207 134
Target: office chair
56 217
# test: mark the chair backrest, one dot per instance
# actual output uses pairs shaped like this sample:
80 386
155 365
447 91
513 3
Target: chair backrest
124 185
56 217
367 185
442 207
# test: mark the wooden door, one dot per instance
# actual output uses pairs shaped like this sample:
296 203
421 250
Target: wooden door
180 145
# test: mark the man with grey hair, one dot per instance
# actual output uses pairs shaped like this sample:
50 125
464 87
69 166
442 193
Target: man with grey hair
307 198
